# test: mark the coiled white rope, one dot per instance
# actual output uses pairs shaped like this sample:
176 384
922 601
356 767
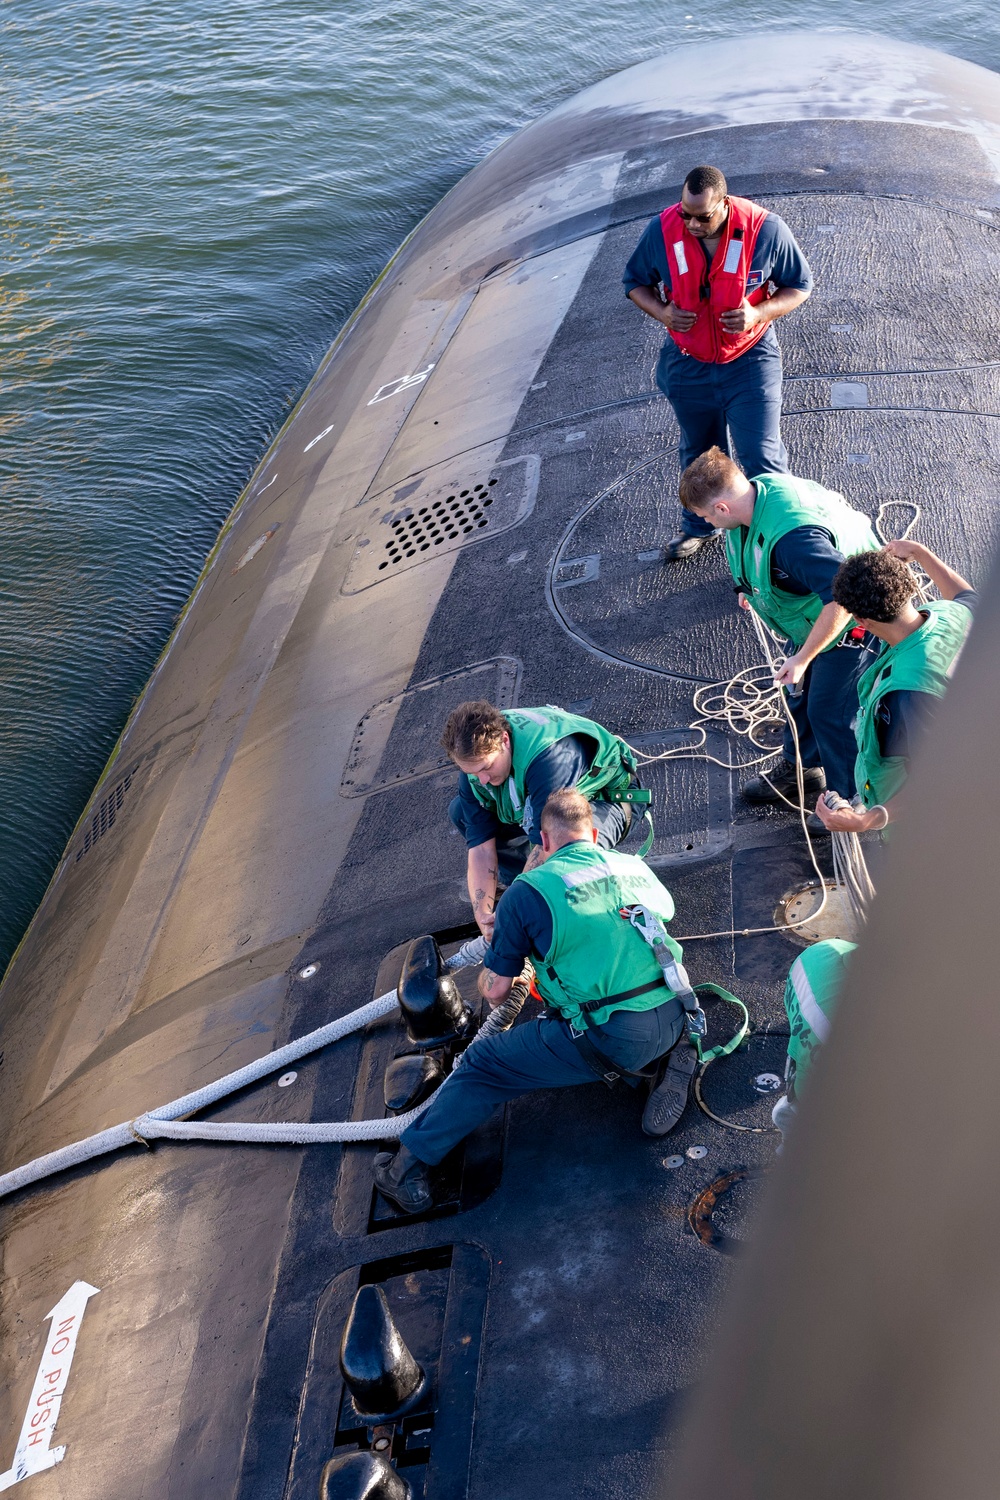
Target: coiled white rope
758 701
165 1122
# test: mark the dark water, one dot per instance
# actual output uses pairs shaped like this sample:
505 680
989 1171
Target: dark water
193 199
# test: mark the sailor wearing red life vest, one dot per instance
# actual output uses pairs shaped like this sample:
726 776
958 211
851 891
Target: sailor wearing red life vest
716 271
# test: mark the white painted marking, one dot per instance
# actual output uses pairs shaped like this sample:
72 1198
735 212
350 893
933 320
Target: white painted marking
516 557
320 435
33 1454
574 437
539 385
268 485
401 383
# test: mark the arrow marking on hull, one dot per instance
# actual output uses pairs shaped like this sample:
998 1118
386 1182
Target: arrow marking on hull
33 1454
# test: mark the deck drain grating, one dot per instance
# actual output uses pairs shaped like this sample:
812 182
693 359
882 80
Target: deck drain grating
446 507
445 520
103 820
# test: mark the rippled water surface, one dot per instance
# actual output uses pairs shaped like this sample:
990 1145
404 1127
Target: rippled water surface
193 199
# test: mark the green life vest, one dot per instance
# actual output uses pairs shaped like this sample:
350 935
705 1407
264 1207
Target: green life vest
814 983
784 503
535 730
596 954
921 663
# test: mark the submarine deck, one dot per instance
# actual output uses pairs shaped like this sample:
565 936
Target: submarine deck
279 802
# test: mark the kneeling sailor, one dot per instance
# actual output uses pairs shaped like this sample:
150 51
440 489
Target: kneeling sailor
609 1011
785 540
899 693
510 764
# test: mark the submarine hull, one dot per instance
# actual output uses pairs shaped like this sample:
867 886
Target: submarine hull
470 502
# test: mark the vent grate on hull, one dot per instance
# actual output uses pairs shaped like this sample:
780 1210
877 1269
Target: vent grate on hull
446 519
446 507
103 820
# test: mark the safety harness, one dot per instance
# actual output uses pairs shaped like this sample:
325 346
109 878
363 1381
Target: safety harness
675 979
651 929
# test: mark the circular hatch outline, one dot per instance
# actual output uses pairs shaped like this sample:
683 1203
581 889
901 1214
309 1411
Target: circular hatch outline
613 658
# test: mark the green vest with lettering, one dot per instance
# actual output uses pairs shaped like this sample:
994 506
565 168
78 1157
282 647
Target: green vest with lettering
596 953
814 983
922 663
784 503
534 730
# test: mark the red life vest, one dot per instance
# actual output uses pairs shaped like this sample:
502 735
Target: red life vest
708 292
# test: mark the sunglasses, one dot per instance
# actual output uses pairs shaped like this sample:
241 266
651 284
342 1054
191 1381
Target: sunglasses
702 218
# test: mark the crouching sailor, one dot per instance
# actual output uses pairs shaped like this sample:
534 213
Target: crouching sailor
814 983
510 765
785 540
609 1011
898 694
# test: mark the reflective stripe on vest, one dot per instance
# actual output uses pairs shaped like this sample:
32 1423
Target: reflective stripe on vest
808 1004
811 995
711 290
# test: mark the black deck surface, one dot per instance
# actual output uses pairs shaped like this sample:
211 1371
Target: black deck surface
564 1294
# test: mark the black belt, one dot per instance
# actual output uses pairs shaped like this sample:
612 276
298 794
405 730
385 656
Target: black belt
607 1071
589 1006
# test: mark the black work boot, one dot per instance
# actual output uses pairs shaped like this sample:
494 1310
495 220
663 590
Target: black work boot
669 1097
403 1180
781 782
681 546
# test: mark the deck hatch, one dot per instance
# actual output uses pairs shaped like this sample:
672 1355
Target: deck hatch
103 820
439 511
399 739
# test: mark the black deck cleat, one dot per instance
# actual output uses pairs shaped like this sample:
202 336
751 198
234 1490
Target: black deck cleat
362 1476
429 1000
411 1079
378 1369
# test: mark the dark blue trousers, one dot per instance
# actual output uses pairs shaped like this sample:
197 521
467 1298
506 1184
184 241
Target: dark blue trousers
611 819
825 710
713 404
537 1054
